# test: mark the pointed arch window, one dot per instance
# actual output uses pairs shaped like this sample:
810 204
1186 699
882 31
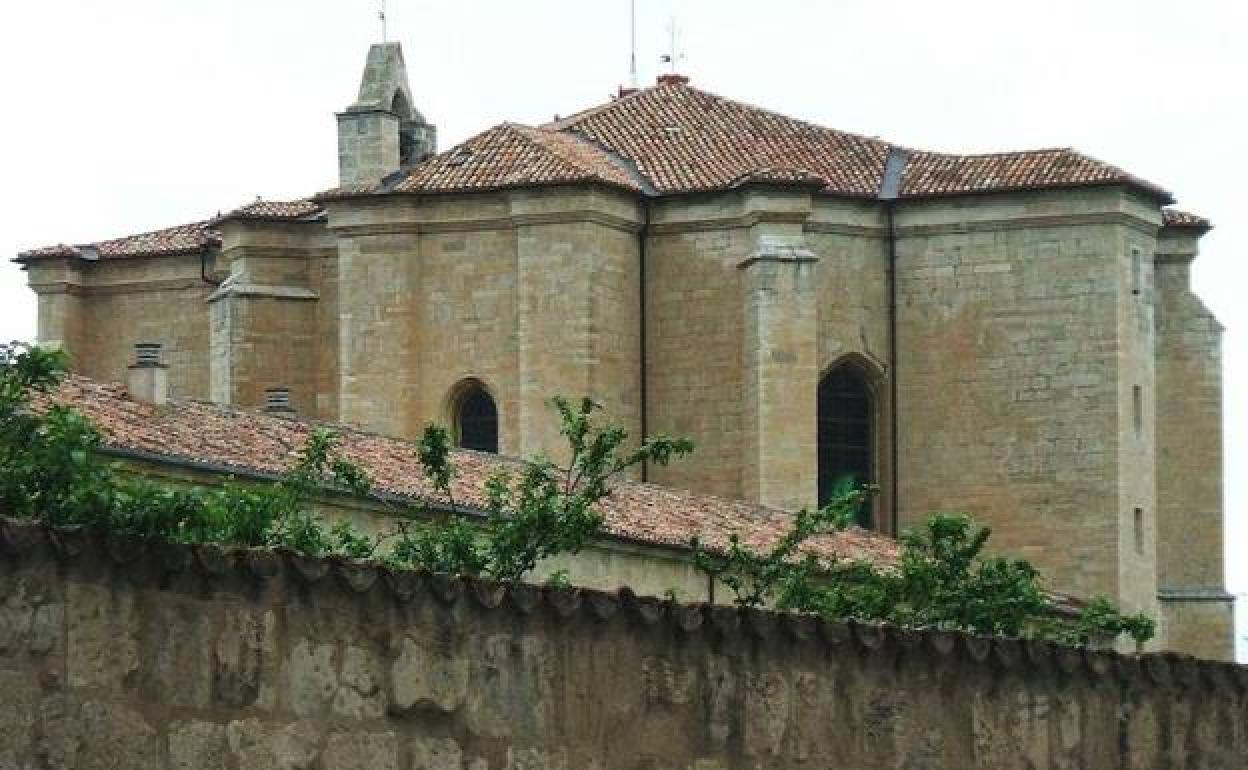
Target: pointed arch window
846 435
476 418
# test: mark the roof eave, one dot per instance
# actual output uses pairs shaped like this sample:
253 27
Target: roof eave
1196 228
1162 197
484 189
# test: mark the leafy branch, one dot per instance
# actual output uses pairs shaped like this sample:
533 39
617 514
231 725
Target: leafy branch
942 579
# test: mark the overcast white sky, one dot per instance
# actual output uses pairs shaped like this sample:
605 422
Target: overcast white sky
136 114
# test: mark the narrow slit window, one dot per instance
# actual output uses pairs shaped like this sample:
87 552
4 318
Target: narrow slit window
1138 522
1136 271
1137 408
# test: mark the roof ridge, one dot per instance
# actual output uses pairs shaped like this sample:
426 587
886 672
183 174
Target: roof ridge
203 224
564 122
1002 153
726 100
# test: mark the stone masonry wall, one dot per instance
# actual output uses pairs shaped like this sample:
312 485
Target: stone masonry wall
533 295
117 653
1196 608
1019 344
98 312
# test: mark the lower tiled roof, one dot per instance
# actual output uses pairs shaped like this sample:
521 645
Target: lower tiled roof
932 174
1175 218
196 432
189 238
283 211
180 239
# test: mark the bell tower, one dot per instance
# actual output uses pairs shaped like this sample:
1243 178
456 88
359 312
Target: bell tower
382 132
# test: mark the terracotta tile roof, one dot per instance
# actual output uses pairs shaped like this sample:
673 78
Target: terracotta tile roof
190 238
512 155
250 441
929 174
297 210
180 239
672 139
683 139
1176 218
45 252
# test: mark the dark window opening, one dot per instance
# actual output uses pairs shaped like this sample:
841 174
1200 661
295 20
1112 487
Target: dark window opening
845 436
477 421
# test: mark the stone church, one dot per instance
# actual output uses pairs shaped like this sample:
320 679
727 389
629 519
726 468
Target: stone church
1009 334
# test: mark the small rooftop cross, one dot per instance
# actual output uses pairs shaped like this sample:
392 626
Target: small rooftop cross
381 15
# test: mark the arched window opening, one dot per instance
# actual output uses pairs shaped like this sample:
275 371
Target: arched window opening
399 105
846 435
476 420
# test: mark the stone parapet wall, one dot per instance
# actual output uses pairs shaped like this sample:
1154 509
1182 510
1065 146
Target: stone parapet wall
120 653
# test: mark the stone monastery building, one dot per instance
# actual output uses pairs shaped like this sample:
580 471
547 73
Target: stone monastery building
1009 334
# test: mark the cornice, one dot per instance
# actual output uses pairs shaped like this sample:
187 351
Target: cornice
129 287
1025 223
579 216
243 251
1211 594
840 228
738 221
266 291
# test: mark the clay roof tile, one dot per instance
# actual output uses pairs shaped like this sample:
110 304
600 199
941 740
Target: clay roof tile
257 442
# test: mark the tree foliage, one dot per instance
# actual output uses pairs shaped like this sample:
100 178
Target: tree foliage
943 579
52 471
533 512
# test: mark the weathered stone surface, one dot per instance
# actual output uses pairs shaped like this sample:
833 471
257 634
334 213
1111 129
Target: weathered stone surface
257 745
421 686
198 746
361 751
177 643
20 699
311 677
361 692
535 759
422 677
436 754
245 659
102 650
103 736
767 703
31 618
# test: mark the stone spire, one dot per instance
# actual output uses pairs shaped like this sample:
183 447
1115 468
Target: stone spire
382 132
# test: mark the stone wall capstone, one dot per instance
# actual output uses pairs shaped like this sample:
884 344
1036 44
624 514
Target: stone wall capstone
123 653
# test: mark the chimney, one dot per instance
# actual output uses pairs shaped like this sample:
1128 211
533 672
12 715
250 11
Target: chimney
672 79
277 401
147 380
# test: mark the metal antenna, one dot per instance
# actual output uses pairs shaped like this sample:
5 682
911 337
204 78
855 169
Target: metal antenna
632 43
381 14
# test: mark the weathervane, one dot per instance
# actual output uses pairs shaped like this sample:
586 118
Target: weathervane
381 14
673 54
